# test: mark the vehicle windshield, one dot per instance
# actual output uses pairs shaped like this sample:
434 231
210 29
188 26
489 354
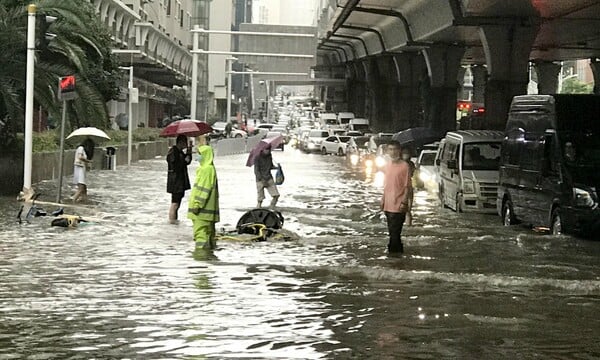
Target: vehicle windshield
481 156
344 139
331 121
427 159
360 127
582 156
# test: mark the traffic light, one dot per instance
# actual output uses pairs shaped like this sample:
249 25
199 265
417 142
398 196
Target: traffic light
66 88
463 106
42 36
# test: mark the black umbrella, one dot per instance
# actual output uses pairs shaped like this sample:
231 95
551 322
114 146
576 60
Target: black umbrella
416 137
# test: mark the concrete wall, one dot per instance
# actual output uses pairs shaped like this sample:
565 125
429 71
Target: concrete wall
45 165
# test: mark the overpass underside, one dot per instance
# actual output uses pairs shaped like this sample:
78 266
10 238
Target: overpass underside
404 61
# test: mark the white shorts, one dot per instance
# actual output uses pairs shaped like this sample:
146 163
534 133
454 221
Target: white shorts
79 175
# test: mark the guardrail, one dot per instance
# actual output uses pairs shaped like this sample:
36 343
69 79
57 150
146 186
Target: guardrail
232 146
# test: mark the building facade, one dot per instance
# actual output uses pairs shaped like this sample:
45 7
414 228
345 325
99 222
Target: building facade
153 37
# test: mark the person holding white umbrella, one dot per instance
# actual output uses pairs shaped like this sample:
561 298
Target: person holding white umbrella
83 157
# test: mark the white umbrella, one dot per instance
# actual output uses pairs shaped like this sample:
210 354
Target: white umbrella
88 131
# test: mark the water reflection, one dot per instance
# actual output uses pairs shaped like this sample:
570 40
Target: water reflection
128 284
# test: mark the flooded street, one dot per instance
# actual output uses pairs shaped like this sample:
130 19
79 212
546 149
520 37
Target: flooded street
129 285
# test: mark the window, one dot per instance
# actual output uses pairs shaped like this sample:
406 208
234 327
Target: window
168 5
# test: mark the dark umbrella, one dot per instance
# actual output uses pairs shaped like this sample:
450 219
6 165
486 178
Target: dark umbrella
186 127
416 137
271 142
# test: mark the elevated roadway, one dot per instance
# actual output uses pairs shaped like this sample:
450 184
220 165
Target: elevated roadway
403 59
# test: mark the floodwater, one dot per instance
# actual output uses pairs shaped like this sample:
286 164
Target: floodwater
129 285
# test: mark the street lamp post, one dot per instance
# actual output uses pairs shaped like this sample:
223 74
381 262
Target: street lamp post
194 93
28 156
230 61
129 111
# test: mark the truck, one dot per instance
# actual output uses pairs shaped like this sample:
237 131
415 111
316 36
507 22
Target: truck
359 124
344 118
329 121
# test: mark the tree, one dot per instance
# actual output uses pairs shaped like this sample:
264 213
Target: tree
575 86
81 47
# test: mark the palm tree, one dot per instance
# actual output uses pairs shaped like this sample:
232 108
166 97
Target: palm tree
81 47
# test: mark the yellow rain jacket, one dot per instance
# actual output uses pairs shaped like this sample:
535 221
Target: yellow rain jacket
204 199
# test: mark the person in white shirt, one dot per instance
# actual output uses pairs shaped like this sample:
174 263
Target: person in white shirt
83 157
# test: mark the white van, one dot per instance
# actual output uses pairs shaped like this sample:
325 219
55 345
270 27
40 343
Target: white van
329 121
359 124
467 167
344 118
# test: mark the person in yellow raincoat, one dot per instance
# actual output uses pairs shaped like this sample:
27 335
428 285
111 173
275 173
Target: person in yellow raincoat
203 206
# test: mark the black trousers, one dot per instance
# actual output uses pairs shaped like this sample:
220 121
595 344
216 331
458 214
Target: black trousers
395 221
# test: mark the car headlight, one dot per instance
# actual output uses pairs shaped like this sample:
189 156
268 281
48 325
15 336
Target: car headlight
380 161
354 159
368 163
468 186
583 198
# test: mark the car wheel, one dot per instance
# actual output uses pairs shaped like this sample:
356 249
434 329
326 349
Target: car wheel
324 151
508 216
238 135
556 224
457 203
341 152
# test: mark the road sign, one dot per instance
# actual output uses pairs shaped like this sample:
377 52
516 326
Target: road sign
66 88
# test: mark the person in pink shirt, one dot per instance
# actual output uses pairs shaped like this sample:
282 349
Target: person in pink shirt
397 189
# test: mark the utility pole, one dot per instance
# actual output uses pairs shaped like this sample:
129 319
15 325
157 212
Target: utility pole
130 101
194 94
28 156
230 61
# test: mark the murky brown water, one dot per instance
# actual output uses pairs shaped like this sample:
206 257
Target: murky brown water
128 285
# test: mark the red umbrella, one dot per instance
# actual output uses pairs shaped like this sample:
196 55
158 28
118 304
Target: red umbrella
186 127
271 142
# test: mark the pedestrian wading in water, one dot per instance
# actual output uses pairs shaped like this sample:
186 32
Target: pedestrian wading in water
397 189
178 180
203 206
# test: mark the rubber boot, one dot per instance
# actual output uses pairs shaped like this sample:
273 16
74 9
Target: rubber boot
273 202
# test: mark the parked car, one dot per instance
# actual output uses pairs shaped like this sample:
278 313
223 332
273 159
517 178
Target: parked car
468 170
424 175
335 144
357 150
219 130
313 140
549 168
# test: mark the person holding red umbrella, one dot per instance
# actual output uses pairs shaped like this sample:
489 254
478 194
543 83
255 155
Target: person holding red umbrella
178 180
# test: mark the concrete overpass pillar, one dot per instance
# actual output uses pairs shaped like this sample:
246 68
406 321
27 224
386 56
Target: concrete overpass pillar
372 91
547 74
443 64
507 49
406 106
595 66
386 93
479 82
355 88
